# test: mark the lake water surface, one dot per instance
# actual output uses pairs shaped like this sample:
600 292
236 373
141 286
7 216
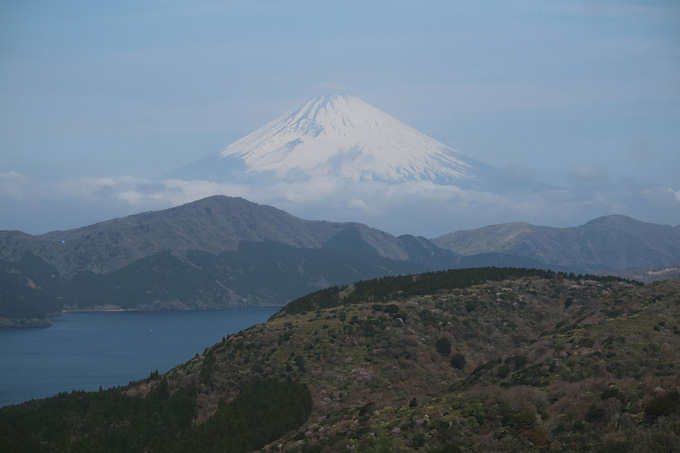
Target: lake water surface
82 351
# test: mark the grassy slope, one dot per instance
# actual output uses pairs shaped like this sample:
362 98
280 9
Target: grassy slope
542 349
551 364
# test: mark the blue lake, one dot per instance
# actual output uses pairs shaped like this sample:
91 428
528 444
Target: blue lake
82 351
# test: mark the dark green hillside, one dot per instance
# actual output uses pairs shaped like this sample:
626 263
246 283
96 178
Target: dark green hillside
161 422
425 252
258 273
390 288
261 273
29 290
471 361
350 239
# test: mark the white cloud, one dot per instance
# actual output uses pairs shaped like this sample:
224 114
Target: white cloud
588 172
13 175
421 208
356 203
11 184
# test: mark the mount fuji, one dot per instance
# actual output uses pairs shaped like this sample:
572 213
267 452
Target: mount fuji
345 138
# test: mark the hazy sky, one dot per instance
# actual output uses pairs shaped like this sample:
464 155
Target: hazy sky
100 99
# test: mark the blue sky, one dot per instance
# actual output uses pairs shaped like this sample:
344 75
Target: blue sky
98 98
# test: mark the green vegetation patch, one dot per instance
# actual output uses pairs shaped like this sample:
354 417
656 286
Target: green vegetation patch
389 288
160 422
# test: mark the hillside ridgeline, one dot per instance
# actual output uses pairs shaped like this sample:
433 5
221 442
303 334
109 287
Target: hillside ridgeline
215 224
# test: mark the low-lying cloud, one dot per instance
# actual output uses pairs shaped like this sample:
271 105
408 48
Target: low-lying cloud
421 208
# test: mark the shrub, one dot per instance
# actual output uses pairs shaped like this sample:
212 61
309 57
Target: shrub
239 426
300 363
392 309
663 405
448 448
518 360
458 361
586 342
443 346
540 438
524 420
503 371
595 413
610 393
471 305
615 447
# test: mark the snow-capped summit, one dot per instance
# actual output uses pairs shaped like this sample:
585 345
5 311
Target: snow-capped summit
341 136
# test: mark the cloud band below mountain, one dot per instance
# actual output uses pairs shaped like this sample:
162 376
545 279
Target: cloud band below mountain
419 207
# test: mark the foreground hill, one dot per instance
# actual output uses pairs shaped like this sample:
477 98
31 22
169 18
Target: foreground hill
469 360
607 244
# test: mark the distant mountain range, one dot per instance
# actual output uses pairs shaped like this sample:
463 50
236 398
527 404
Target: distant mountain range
223 252
613 243
215 224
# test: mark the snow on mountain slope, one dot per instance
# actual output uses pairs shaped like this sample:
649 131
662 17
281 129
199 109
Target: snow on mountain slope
339 136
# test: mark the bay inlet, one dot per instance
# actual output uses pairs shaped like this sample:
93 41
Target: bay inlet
86 350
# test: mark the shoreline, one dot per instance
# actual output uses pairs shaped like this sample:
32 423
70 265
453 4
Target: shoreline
43 323
101 310
117 309
26 323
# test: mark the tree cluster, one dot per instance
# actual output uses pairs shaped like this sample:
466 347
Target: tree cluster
160 422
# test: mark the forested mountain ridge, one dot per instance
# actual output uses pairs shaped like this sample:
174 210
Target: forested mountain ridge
223 252
220 224
465 360
215 224
218 252
258 273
